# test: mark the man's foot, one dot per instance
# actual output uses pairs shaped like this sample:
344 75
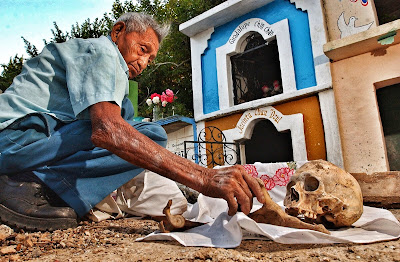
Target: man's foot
27 203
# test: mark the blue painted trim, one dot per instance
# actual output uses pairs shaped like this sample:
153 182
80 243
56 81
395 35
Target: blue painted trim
300 37
177 118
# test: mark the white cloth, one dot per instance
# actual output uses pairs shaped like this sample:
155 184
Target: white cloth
227 232
145 195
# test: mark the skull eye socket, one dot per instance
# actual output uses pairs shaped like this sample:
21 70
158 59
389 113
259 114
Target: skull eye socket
289 186
311 183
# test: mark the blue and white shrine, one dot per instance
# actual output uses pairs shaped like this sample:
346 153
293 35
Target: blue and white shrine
252 56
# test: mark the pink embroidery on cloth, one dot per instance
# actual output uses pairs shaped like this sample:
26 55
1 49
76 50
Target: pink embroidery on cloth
251 170
281 177
269 182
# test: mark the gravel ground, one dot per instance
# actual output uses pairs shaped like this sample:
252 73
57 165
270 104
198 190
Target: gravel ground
114 241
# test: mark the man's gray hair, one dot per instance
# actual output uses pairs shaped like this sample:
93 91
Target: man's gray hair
139 22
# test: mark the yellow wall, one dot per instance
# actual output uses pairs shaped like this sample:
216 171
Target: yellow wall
309 107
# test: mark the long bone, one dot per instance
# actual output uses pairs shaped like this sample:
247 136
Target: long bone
269 213
272 213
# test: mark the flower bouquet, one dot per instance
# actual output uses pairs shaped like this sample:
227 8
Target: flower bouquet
160 102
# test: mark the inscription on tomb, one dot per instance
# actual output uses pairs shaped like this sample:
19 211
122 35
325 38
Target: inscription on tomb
253 24
268 113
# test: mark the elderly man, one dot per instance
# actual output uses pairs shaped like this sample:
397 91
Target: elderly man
67 139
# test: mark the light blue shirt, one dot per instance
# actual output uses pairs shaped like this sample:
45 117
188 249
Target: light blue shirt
65 79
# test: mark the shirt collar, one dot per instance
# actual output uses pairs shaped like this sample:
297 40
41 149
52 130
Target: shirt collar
121 59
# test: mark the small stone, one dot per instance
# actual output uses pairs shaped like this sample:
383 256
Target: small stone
19 238
8 250
5 232
36 253
14 257
28 241
358 257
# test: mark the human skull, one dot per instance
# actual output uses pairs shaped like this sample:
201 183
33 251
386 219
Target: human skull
320 192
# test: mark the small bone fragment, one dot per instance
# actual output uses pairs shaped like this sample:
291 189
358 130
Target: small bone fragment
272 213
175 222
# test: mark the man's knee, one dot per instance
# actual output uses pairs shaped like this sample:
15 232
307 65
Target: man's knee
127 110
152 130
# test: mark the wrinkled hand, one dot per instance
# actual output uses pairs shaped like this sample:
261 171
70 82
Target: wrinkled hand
234 185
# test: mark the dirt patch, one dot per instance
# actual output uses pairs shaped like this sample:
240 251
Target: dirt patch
115 241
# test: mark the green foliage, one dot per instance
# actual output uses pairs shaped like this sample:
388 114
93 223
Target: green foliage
10 70
29 48
86 30
90 30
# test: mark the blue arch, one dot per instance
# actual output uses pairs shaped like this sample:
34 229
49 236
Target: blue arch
271 13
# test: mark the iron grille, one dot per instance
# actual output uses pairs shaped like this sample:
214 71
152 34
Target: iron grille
212 149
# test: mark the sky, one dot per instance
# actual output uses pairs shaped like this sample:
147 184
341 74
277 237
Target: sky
33 19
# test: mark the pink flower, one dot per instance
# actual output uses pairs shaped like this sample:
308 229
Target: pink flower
269 183
277 86
282 176
169 92
164 97
164 103
168 96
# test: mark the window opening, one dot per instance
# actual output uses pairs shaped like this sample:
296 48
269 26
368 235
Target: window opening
389 109
256 72
387 10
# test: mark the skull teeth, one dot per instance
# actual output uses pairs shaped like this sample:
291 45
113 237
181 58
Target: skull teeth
301 213
309 214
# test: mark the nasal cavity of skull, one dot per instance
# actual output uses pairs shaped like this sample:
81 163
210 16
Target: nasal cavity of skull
311 183
294 195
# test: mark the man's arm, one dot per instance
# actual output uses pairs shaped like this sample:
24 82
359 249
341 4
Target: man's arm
112 132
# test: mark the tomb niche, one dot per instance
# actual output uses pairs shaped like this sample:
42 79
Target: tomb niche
388 101
268 145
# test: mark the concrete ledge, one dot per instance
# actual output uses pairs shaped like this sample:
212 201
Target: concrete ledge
380 189
363 42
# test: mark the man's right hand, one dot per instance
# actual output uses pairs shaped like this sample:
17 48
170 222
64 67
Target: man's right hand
234 185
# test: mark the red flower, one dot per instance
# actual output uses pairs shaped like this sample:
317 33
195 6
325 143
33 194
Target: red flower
170 99
282 176
251 170
154 95
269 183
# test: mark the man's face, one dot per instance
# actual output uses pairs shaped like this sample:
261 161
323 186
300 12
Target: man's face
137 49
